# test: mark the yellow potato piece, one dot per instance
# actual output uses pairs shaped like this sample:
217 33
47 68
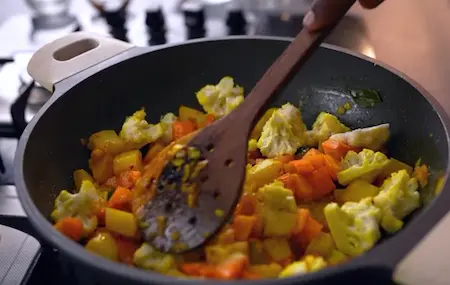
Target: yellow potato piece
120 222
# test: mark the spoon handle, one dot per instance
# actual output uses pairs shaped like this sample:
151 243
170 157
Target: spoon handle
293 57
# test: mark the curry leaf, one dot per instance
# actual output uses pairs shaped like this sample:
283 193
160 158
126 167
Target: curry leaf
366 97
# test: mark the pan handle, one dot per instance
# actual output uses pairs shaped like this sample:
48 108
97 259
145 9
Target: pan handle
71 54
429 261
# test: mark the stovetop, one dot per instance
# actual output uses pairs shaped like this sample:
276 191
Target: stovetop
23 260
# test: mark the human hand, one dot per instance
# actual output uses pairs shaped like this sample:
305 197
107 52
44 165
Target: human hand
314 19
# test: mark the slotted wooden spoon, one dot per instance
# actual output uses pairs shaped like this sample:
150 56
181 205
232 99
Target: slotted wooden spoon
169 223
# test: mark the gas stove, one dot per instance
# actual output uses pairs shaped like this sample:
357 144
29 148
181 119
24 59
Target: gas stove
142 23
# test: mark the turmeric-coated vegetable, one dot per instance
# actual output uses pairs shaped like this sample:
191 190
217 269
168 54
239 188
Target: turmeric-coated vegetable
356 191
79 175
277 248
130 160
354 226
108 141
101 164
120 222
105 245
398 197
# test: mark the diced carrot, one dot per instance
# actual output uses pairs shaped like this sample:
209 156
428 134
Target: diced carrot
120 199
335 149
285 158
180 129
101 216
421 174
298 184
302 166
128 178
289 168
315 157
288 180
304 191
302 216
243 226
154 149
312 228
232 267
332 166
286 261
198 269
321 182
246 205
249 275
126 250
70 227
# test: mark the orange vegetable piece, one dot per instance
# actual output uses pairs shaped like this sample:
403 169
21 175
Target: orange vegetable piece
120 199
243 226
289 168
126 250
332 166
335 149
226 236
246 205
249 275
321 182
298 184
70 227
312 228
232 267
302 216
180 129
421 174
154 149
128 178
111 182
302 166
198 269
315 157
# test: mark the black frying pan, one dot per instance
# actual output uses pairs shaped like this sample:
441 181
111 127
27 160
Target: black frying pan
110 80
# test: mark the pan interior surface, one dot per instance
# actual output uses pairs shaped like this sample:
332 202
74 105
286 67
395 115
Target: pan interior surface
163 80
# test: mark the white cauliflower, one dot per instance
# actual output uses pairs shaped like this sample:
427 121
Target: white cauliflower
398 197
365 165
283 133
82 205
166 123
373 138
137 132
324 126
148 257
309 263
354 226
220 99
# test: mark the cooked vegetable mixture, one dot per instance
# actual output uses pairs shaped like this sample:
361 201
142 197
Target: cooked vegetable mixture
311 199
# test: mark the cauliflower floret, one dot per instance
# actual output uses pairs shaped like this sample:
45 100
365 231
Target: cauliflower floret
278 209
81 205
309 263
354 226
137 132
373 138
325 125
365 165
221 99
398 197
252 145
166 124
148 257
283 133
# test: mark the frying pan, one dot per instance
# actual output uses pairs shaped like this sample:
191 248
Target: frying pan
96 82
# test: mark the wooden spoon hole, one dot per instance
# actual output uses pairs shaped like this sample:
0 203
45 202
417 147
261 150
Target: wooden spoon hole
192 220
216 194
229 162
210 147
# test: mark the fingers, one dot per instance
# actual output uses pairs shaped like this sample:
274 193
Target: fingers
322 10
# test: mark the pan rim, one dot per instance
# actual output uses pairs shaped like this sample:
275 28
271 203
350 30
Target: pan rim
46 231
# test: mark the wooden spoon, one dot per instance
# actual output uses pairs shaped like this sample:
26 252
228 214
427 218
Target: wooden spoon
169 223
